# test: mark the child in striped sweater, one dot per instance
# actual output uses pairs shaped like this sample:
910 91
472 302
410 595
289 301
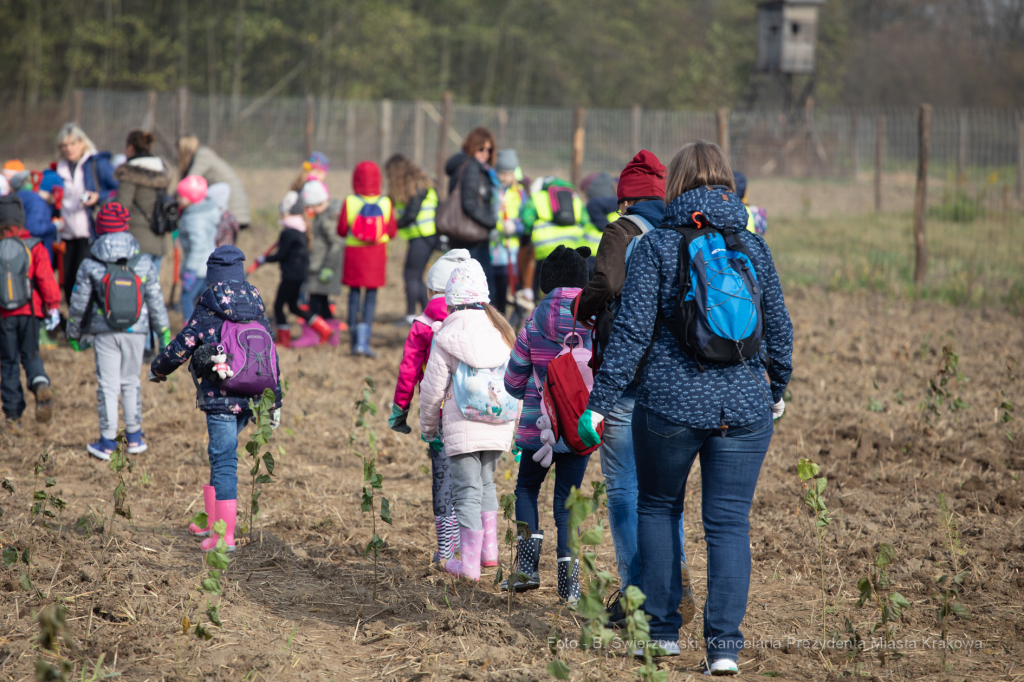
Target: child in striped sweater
564 275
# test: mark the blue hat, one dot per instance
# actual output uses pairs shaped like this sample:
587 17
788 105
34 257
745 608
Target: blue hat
225 265
50 180
741 184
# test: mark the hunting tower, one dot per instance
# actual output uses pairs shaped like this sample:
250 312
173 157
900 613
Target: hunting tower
787 34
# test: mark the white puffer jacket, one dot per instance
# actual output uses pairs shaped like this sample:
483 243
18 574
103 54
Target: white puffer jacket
467 336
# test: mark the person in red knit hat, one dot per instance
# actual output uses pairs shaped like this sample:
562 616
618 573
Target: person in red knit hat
367 222
25 264
641 195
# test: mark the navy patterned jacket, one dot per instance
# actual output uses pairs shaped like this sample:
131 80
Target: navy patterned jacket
671 384
237 301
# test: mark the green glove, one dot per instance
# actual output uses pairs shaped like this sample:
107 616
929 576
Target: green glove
433 440
74 345
165 338
518 452
326 274
397 420
587 428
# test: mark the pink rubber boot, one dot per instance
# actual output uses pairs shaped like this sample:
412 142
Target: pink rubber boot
489 552
209 499
227 510
469 565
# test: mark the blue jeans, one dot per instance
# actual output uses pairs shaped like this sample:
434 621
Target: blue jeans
730 463
190 293
619 472
368 308
223 452
570 469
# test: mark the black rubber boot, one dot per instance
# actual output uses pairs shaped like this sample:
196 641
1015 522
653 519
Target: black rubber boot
568 580
527 561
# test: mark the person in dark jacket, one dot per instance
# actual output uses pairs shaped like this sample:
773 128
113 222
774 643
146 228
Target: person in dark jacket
38 213
723 412
602 202
413 196
479 191
140 180
640 193
293 255
229 297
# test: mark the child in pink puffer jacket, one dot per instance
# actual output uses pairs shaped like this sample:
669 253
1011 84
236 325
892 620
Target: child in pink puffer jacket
410 373
479 424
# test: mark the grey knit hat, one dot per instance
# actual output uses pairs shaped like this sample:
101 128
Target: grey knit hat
508 160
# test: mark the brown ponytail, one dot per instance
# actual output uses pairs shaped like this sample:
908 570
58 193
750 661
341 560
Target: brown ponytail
508 335
141 141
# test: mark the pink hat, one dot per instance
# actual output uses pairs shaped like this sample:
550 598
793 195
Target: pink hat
193 188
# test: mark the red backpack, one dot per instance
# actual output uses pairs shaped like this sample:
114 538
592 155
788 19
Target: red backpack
565 393
369 223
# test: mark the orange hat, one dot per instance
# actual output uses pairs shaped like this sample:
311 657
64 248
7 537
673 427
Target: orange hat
14 165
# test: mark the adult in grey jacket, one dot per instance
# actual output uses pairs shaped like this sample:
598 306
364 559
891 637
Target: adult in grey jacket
118 352
201 160
140 179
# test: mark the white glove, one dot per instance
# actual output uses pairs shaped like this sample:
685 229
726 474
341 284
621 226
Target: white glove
778 408
275 418
52 320
221 368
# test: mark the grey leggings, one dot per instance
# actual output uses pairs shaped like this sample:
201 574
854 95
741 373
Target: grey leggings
442 485
473 486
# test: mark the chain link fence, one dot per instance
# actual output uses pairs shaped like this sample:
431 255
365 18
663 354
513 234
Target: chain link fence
838 183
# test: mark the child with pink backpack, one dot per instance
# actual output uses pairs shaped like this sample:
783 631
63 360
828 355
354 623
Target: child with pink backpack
547 333
229 342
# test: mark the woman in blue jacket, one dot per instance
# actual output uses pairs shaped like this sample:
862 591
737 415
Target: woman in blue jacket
721 412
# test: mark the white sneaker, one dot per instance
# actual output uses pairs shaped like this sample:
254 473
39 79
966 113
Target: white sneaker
670 648
722 666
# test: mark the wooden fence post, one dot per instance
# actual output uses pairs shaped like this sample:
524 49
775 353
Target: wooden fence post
350 135
722 118
921 194
634 131
310 123
385 129
149 122
182 111
442 139
76 114
502 127
579 135
1020 160
417 133
961 149
854 150
879 158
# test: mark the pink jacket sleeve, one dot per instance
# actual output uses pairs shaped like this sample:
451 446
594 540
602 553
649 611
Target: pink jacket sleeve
432 390
414 361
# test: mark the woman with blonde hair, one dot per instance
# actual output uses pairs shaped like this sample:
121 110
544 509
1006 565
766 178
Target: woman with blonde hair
197 159
712 394
88 182
414 197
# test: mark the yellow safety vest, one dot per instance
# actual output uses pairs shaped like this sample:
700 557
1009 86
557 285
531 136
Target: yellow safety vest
591 237
546 234
353 205
424 225
511 207
750 220
612 217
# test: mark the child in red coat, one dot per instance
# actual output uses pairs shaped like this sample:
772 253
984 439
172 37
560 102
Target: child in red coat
367 223
32 285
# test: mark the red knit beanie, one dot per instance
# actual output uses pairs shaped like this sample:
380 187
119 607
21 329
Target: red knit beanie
113 217
642 178
366 179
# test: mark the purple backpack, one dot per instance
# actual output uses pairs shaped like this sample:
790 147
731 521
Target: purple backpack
251 356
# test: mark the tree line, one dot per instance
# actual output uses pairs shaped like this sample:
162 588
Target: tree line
657 53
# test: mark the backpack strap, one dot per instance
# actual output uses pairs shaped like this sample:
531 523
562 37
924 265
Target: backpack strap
640 222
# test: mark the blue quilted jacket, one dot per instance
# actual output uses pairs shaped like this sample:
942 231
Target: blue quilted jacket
237 301
671 384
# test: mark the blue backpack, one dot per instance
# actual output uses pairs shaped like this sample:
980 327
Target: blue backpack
718 315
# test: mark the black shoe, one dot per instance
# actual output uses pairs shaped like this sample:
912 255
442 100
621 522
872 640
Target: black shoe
527 561
568 580
616 614
44 402
687 607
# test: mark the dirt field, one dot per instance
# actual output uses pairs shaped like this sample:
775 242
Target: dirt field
299 603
